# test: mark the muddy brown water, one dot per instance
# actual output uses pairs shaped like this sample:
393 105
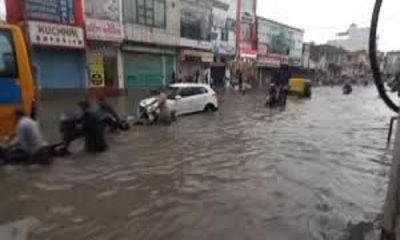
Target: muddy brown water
246 172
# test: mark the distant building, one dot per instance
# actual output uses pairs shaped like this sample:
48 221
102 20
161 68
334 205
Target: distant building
358 65
329 62
305 61
392 63
354 39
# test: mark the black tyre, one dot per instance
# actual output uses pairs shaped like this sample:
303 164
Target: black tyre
210 108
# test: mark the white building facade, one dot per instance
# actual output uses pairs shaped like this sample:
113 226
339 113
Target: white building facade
354 39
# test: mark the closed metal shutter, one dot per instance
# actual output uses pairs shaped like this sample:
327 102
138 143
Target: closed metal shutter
60 69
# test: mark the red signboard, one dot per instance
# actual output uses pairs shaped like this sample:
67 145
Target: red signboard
14 11
246 27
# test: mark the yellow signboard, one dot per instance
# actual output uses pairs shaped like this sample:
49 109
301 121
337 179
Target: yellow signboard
96 70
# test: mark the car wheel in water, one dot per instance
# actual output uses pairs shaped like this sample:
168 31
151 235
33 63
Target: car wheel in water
210 108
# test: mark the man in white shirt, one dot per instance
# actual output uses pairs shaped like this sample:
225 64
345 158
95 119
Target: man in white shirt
29 137
28 142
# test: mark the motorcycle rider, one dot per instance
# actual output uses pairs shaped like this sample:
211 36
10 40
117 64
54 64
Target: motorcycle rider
162 109
272 95
92 129
29 145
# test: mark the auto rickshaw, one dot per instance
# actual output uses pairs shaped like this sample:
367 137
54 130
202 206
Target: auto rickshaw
17 87
300 87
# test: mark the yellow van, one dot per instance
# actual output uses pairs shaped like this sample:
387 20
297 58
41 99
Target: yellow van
300 87
17 87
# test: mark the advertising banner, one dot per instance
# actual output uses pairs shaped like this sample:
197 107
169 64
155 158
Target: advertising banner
103 20
58 11
57 35
96 69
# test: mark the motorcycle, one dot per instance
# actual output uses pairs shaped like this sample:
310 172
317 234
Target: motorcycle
114 124
277 96
347 89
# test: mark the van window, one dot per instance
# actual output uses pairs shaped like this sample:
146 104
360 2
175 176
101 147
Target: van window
8 64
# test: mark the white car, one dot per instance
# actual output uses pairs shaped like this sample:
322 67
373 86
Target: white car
186 98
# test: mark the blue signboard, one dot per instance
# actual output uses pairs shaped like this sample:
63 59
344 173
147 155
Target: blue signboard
59 11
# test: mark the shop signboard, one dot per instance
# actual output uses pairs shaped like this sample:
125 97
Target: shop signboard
96 69
57 35
103 20
224 13
58 11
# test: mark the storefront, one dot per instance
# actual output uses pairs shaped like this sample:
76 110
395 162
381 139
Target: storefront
55 36
104 31
148 66
269 64
58 55
195 65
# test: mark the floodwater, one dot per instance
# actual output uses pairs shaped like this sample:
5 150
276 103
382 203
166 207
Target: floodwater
311 171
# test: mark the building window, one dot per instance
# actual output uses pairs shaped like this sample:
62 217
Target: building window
196 22
150 13
159 16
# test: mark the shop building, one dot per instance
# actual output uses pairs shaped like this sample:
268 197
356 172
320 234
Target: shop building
104 33
196 54
149 53
246 41
275 41
224 13
55 33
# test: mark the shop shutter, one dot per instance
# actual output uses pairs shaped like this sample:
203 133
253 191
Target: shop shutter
143 70
60 69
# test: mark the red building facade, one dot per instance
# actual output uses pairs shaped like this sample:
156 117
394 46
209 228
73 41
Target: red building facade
246 29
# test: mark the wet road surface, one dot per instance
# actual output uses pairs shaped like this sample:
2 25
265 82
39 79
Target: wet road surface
246 172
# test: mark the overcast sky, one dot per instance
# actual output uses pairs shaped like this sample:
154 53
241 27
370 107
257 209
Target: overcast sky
322 19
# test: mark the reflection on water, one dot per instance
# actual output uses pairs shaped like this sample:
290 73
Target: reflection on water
245 172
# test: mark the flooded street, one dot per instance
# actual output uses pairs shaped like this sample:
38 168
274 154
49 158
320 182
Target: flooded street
246 172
